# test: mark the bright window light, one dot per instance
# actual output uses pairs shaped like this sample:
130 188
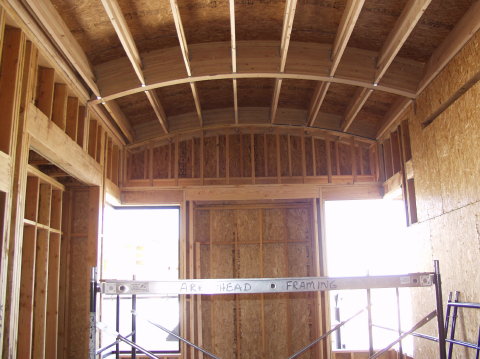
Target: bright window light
368 238
142 243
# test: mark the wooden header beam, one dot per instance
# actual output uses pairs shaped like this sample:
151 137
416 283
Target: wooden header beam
186 59
115 14
290 7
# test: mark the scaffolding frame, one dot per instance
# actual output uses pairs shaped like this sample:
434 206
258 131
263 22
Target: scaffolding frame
267 285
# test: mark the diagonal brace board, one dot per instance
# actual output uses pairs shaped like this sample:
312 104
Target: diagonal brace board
264 285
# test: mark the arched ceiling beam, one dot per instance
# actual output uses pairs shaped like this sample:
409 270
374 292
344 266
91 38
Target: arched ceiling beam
345 29
404 25
186 57
290 7
307 61
115 14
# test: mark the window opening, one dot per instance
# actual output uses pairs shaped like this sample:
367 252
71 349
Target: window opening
368 237
142 243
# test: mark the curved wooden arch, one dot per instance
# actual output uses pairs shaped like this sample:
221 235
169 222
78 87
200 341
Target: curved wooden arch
255 59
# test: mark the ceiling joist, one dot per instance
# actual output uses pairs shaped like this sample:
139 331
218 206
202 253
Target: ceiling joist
347 23
290 7
119 23
186 59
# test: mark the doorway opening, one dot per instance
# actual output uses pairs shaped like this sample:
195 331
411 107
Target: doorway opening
368 237
142 243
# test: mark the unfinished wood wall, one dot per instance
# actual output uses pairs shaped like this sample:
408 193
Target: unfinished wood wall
42 301
446 166
39 286
248 240
252 156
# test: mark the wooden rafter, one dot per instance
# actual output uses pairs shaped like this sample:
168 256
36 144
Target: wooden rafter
356 104
122 122
158 108
186 59
115 14
317 101
289 15
458 37
349 19
404 25
345 29
234 57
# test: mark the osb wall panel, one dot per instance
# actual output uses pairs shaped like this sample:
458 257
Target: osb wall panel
461 69
446 163
248 240
252 156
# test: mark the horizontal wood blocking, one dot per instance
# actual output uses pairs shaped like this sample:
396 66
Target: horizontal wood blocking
250 157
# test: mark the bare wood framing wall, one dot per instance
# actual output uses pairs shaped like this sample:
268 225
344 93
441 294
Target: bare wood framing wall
254 239
40 111
252 156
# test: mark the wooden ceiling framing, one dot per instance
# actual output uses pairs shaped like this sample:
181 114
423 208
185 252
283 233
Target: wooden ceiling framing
342 65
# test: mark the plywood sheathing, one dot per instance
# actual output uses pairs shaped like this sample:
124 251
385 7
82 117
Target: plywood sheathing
205 20
375 22
89 24
215 94
176 99
317 21
259 20
255 92
138 110
296 94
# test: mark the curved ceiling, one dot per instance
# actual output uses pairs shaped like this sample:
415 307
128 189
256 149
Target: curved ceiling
167 66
